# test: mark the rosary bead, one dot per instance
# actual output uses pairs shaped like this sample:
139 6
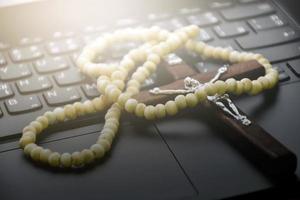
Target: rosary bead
200 47
118 75
153 58
70 111
247 84
139 77
79 108
104 143
256 87
127 64
50 117
139 110
88 107
192 31
44 155
54 159
149 112
180 101
191 100
225 54
114 94
217 53
28 148
35 153
98 150
171 108
264 82
239 88
98 104
234 57
59 114
107 136
37 125
26 140
131 105
132 90
66 160
190 45
123 99
150 66
210 89
231 84
102 84
201 94
88 156
77 159
133 83
160 111
207 52
43 120
29 128
173 42
221 87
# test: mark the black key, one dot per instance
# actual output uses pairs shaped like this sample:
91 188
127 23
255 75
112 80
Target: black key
283 77
282 52
14 71
26 53
23 104
295 66
220 4
263 23
203 19
90 90
205 35
230 30
171 24
268 38
205 66
63 46
50 64
2 60
30 41
247 11
61 96
225 44
69 77
5 90
34 84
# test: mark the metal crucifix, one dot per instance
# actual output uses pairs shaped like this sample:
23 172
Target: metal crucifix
255 142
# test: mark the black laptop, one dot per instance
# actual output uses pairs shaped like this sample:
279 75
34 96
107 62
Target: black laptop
187 156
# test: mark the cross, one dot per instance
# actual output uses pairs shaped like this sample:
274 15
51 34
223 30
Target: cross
256 143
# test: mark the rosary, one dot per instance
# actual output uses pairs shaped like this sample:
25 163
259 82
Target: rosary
118 96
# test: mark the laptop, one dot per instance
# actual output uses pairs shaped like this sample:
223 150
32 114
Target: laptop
182 157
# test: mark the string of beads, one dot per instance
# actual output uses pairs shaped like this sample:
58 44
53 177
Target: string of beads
116 95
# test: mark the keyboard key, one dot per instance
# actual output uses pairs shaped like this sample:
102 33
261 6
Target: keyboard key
283 77
34 84
23 104
172 24
220 4
187 11
26 53
63 46
268 38
69 77
282 52
247 11
205 66
5 90
61 96
2 60
230 30
30 41
204 19
295 66
1 113
90 90
14 71
126 22
50 64
158 16
268 22
204 36
248 1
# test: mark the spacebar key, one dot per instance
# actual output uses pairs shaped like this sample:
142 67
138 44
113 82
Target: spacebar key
281 52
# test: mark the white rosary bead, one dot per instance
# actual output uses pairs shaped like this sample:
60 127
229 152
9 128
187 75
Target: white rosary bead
44 155
256 87
37 126
79 108
150 66
200 47
225 54
87 155
77 159
98 104
66 160
207 52
160 111
35 153
231 85
28 148
149 112
180 101
239 88
191 100
50 116
59 114
88 107
98 151
171 108
70 111
154 58
220 86
264 82
201 94
210 89
54 159
139 109
234 57
104 143
131 105
247 84
44 121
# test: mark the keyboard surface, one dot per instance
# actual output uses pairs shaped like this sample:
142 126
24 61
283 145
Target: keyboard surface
38 74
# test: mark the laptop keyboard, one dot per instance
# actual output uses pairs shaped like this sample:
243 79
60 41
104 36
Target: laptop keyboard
39 74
